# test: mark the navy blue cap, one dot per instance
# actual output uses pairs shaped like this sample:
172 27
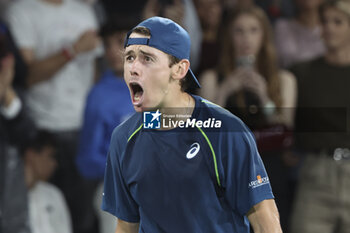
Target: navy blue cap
167 36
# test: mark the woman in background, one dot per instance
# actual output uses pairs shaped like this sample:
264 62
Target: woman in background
299 39
249 84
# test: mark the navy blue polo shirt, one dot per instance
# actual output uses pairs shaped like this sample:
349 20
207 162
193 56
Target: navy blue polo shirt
185 179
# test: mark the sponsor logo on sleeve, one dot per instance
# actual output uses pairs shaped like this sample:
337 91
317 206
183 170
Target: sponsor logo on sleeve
258 182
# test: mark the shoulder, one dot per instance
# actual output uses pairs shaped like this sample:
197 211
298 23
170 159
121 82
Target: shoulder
107 87
126 129
307 64
287 77
229 121
304 68
96 97
50 189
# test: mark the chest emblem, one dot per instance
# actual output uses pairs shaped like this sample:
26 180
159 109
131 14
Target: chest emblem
195 147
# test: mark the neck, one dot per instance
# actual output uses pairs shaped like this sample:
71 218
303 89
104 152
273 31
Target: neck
180 109
309 18
29 177
339 56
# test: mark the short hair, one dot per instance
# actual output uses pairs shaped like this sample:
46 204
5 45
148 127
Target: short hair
38 141
114 26
4 46
184 83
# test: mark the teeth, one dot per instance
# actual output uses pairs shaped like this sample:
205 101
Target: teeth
137 96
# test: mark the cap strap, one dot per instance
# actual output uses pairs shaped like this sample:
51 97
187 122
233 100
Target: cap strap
140 41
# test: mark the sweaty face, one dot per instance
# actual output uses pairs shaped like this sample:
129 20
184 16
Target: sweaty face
247 35
147 74
336 28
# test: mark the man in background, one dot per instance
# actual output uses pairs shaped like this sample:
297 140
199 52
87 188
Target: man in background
48 211
58 41
108 104
323 200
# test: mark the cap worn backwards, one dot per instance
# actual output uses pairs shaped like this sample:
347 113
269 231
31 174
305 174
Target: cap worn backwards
167 36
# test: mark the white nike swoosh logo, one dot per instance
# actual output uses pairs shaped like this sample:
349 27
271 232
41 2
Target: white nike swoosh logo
195 147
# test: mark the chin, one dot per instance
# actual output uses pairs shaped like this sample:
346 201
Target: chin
138 109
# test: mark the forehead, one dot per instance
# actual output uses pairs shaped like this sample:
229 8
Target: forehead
246 19
332 11
143 48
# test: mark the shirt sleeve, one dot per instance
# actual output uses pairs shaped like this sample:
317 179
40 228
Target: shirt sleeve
117 198
246 181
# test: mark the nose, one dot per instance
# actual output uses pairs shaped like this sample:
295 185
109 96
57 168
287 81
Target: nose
135 69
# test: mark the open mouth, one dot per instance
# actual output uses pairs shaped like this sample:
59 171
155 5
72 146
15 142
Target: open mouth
136 93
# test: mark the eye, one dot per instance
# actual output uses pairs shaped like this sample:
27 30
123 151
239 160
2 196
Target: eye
148 59
129 58
238 30
338 22
254 30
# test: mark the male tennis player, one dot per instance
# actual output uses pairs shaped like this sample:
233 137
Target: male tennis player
193 178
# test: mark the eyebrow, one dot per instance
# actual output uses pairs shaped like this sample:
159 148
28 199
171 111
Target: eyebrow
128 53
148 54
144 53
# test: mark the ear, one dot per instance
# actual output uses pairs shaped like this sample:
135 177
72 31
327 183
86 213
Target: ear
180 69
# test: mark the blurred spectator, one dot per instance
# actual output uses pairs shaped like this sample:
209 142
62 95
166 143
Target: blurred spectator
210 47
250 85
108 104
184 13
15 127
323 200
58 41
48 211
299 39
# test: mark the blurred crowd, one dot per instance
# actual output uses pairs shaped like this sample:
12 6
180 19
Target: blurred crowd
282 66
